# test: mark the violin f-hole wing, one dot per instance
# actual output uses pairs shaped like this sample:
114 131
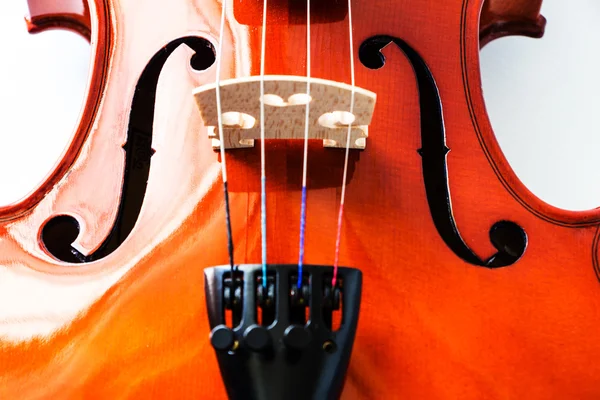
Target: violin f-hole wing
507 237
58 232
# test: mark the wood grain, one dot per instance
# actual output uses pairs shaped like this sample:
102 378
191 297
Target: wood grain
133 325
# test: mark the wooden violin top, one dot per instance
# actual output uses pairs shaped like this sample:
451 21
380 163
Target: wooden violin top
471 286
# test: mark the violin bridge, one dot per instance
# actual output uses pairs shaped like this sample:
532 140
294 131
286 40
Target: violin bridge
285 111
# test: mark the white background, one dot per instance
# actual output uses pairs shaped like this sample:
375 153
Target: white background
541 96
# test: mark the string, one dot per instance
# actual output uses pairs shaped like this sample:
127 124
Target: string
263 175
222 142
343 196
305 162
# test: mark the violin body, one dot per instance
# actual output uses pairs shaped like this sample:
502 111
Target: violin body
473 288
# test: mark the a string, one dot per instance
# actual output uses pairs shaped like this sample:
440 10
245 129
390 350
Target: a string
263 175
341 210
222 142
305 162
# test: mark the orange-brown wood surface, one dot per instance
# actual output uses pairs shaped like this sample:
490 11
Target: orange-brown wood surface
133 325
510 17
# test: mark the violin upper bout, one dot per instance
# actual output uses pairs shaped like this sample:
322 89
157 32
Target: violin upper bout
72 15
501 18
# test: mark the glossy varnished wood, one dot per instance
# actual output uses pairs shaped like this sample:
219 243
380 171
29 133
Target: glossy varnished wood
501 18
432 326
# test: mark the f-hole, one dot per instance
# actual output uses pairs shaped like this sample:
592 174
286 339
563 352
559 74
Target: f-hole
507 237
60 231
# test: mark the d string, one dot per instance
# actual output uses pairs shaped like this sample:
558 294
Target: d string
341 210
263 175
305 162
220 121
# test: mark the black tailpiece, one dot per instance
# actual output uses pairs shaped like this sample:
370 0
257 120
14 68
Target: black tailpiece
281 342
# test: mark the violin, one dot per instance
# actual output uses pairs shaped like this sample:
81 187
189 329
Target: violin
292 200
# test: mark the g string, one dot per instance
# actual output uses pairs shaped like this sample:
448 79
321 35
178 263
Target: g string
222 144
305 162
343 196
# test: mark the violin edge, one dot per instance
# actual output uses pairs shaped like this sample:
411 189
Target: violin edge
503 28
73 15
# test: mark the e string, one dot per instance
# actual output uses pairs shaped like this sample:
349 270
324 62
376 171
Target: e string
343 196
263 175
